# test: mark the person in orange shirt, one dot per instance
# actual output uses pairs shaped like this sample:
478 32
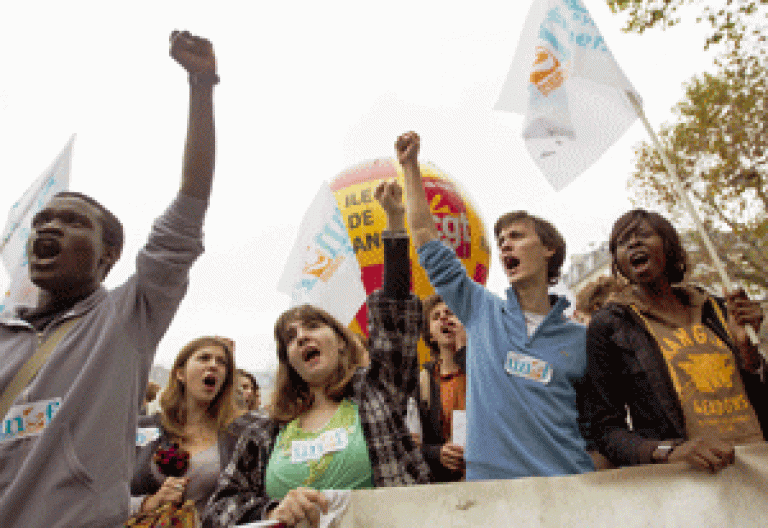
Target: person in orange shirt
442 389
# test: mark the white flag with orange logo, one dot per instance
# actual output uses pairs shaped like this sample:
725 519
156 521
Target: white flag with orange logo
322 269
13 245
572 92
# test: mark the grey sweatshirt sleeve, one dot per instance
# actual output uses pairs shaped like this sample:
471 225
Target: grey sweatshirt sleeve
175 242
162 268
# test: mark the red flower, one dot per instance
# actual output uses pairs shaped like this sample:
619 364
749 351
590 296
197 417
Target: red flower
172 462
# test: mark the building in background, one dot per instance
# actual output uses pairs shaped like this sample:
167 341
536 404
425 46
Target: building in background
586 267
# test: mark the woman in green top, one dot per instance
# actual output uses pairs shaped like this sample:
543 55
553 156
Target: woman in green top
333 422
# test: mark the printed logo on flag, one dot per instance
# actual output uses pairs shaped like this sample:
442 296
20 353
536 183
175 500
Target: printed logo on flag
548 73
569 23
331 247
572 92
13 245
322 269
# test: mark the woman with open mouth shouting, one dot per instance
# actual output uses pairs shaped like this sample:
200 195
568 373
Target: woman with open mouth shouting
675 356
198 413
334 423
442 389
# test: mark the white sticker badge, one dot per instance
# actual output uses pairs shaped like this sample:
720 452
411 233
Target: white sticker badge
528 367
29 419
329 442
145 435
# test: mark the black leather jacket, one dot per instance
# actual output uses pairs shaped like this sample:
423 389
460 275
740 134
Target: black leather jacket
626 368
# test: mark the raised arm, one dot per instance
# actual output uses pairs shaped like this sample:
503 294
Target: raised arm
396 280
445 271
419 216
394 313
195 54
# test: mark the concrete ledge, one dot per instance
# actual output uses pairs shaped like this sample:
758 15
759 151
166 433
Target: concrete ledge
647 496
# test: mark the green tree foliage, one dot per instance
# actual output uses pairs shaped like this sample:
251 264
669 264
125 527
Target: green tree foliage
733 22
718 146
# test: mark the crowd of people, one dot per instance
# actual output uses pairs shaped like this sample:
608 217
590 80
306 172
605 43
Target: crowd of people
654 370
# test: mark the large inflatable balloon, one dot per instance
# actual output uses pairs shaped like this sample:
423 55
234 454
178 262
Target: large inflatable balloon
457 222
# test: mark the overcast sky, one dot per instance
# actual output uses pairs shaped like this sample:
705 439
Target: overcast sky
307 90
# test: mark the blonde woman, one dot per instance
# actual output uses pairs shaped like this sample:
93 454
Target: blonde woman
198 413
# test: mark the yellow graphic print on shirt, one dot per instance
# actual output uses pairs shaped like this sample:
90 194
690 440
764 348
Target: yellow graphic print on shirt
681 340
710 372
709 387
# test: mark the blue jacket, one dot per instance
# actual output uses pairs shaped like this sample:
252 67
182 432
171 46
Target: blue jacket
517 426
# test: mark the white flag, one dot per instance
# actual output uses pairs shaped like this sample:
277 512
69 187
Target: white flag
572 92
322 269
13 245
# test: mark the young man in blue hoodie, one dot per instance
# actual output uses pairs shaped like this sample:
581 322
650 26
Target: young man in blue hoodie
525 359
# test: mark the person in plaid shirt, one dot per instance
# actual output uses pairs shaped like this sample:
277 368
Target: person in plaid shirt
333 424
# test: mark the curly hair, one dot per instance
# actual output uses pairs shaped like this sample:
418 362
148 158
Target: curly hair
291 396
593 296
173 403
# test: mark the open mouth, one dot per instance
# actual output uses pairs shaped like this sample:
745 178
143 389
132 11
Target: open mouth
310 354
448 330
46 248
209 381
638 260
511 263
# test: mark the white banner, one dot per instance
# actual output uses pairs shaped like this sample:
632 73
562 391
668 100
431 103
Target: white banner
13 245
322 269
566 82
664 495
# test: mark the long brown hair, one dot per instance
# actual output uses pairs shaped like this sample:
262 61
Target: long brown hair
173 403
291 396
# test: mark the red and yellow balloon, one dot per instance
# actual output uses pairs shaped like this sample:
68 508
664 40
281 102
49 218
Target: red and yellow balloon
457 222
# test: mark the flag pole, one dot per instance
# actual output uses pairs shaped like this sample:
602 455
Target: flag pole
724 278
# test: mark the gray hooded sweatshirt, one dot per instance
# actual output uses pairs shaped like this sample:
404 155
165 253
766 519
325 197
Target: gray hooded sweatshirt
76 471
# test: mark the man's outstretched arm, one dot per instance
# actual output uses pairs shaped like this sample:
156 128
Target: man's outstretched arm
443 268
417 208
195 54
